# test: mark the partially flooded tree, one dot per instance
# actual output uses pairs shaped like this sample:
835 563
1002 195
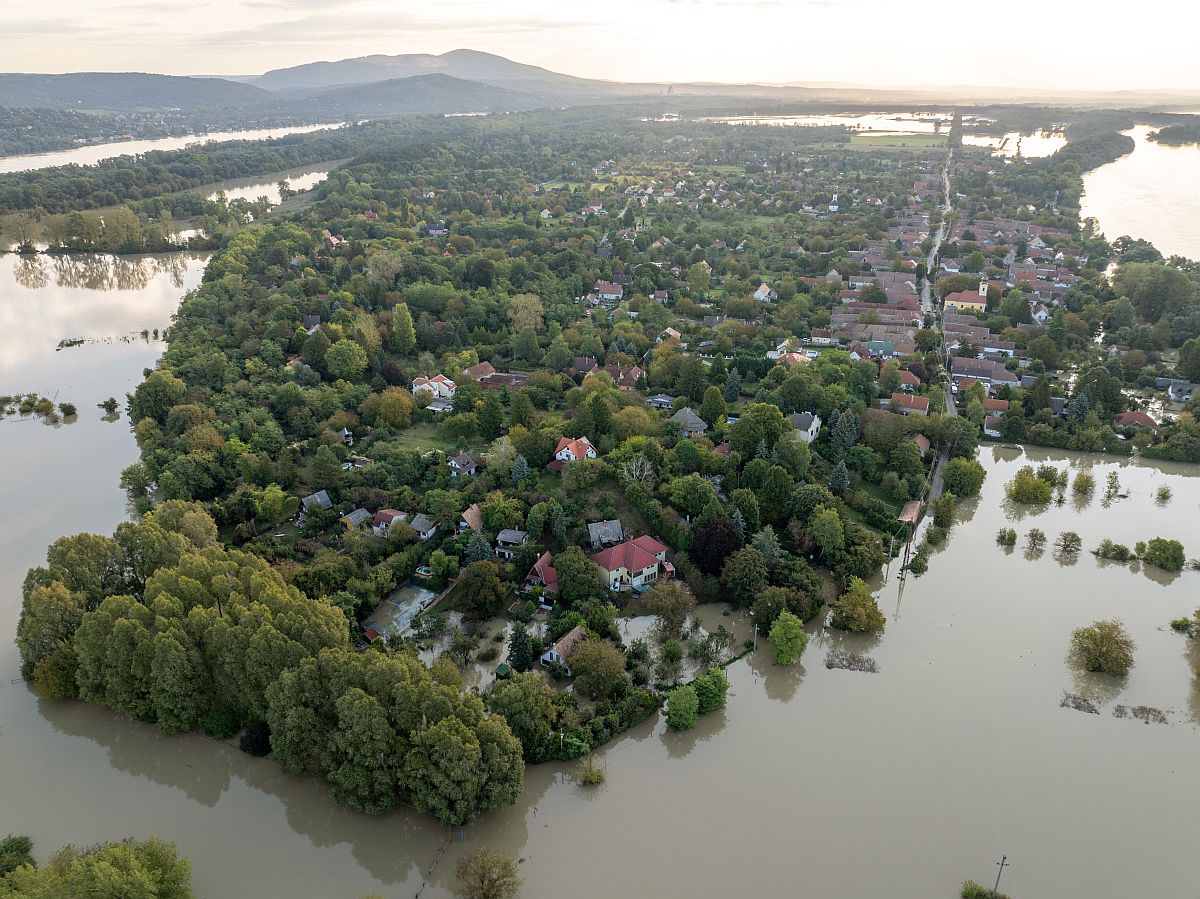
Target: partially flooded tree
487 874
1104 646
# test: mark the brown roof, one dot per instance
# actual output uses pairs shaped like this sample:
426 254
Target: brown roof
906 401
565 645
1135 420
473 516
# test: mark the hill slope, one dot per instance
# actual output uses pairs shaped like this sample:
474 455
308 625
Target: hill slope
434 93
124 91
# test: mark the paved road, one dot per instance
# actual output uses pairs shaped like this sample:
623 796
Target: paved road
936 484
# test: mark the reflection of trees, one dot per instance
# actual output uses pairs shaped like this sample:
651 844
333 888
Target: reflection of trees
780 682
92 271
1100 688
680 743
30 272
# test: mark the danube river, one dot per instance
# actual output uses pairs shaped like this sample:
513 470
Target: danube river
1151 193
820 781
93 153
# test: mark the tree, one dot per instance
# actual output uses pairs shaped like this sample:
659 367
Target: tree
598 667
839 479
745 575
1165 554
602 419
345 360
521 471
155 396
404 336
683 708
672 603
691 494
963 477
484 874
15 851
1026 487
713 541
788 638
1105 646
732 390
766 541
826 530
149 868
856 609
522 650
530 706
578 577
480 590
50 615
711 690
478 548
845 433
712 408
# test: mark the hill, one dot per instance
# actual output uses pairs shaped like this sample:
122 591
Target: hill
416 94
123 91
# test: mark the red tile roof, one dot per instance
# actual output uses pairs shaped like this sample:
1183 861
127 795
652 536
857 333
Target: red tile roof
633 555
906 401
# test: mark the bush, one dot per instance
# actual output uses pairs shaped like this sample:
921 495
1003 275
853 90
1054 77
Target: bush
1116 552
1105 646
683 708
488 653
1006 537
221 722
1182 625
1165 554
935 536
256 739
711 690
590 772
15 851
963 477
788 638
1030 488
1083 484
972 890
856 609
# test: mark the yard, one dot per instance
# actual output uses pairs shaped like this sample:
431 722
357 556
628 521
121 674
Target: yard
897 141
424 436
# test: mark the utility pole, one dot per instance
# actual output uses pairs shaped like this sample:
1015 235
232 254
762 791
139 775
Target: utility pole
1003 861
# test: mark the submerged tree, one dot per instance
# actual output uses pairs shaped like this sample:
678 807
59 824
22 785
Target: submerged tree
1104 646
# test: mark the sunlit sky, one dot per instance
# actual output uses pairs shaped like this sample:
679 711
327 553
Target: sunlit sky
1065 45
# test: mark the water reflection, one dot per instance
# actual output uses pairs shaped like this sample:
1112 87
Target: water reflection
779 682
680 743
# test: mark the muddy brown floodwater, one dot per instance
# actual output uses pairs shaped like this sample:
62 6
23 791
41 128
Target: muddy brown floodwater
813 781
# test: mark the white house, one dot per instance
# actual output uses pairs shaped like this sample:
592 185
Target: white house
560 652
508 540
634 564
384 519
425 526
808 424
438 387
575 450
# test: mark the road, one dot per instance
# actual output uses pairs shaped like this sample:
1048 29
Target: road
936 483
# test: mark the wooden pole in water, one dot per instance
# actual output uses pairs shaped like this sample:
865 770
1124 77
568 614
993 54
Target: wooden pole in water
1003 861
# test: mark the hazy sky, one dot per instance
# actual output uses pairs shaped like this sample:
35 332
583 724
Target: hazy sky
1067 44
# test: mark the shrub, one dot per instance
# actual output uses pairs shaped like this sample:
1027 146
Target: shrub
1182 625
935 536
1163 495
256 739
1116 552
1029 488
1084 484
1165 554
590 772
683 708
972 890
67 409
711 690
1105 646
963 477
15 851
221 722
1006 537
788 638
856 609
485 874
919 563
1035 539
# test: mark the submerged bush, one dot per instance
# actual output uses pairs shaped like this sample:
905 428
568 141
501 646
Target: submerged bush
1006 537
1029 488
1105 646
1116 552
1083 484
1165 554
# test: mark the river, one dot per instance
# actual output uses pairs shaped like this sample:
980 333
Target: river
93 153
814 781
1150 193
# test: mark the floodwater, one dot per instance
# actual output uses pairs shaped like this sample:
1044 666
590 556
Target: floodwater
829 782
1039 143
90 155
255 187
1150 193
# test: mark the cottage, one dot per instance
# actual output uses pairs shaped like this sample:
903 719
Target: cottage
425 526
381 525
907 404
312 323
574 450
691 423
807 423
922 443
993 426
661 401
318 500
605 533
609 292
994 406
543 575
909 381
765 294
560 653
356 519
462 465
508 540
1135 420
472 518
581 365
481 371
634 564
668 334
347 437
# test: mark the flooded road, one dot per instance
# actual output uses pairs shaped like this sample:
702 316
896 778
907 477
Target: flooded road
813 781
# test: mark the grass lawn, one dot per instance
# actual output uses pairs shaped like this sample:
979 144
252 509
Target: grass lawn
879 493
898 141
424 436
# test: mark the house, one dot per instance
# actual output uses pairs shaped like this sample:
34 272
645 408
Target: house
661 401
993 426
440 406
1135 420
312 323
480 371
581 365
669 334
994 406
922 443
508 540
634 564
462 464
907 404
807 423
661 296
691 423
605 533
425 526
347 437
1181 391
560 653
381 525
543 575
546 215
437 229
625 377
574 450
356 519
318 500
823 337
765 294
908 381
965 301
438 387
609 292
472 518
